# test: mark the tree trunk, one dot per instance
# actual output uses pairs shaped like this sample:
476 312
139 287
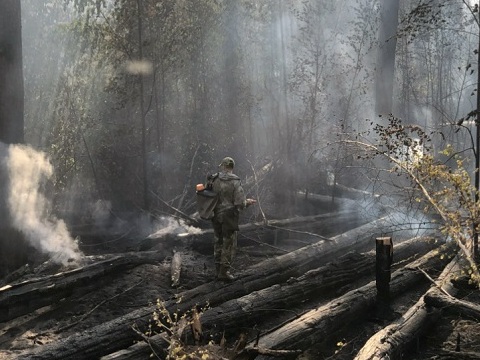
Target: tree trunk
11 73
385 69
13 246
116 335
317 326
451 305
313 285
23 298
392 341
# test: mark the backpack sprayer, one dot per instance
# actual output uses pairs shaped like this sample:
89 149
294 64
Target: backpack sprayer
207 199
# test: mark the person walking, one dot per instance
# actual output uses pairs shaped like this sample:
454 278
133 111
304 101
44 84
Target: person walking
231 199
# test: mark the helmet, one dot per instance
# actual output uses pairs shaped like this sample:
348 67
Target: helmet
227 162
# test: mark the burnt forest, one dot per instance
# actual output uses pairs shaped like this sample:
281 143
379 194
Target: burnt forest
354 129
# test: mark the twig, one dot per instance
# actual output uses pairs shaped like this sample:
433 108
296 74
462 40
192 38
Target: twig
147 339
185 216
435 283
95 308
256 192
265 244
269 352
299 232
185 189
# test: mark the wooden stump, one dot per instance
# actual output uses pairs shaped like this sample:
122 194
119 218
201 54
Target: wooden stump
384 259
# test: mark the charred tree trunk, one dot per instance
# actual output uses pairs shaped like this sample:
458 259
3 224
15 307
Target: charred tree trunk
392 341
317 326
452 305
11 73
13 246
315 284
385 70
28 296
114 335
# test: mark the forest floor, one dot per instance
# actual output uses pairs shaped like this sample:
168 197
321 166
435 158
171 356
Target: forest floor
126 291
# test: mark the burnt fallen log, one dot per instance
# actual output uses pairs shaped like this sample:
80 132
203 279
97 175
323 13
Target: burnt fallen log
332 220
318 325
117 334
328 281
281 268
315 284
392 341
452 305
442 354
175 269
25 297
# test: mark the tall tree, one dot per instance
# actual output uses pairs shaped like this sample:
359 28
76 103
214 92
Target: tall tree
11 72
385 71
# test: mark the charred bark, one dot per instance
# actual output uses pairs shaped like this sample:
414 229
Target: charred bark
392 341
318 325
452 305
28 296
117 334
313 285
331 220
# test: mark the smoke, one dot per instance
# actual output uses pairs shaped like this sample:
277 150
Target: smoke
28 171
168 225
139 67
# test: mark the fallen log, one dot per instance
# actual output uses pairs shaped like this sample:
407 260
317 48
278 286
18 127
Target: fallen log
175 269
392 341
281 268
442 354
330 280
451 305
316 283
332 218
116 334
318 325
25 297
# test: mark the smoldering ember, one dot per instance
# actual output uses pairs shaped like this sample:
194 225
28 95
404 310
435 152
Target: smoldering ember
239 179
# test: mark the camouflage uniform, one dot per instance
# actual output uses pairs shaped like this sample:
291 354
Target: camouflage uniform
231 199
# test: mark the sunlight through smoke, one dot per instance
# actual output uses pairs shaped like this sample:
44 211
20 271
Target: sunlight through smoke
30 210
139 67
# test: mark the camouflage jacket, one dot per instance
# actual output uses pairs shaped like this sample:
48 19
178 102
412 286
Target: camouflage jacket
230 192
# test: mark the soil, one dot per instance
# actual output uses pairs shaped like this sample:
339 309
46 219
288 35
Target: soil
123 292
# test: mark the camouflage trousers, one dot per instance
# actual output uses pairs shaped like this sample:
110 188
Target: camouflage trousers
224 246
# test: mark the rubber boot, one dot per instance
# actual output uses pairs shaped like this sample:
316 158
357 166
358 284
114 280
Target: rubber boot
224 274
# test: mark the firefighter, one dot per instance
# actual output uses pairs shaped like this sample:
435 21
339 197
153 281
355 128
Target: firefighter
231 199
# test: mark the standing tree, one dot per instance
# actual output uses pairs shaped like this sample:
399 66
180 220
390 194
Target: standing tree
11 72
12 245
386 56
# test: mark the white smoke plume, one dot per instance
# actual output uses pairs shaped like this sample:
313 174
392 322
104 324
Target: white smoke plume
169 225
29 209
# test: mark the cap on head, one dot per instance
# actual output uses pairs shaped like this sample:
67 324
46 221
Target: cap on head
227 162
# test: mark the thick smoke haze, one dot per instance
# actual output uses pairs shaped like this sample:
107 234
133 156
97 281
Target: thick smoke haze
28 207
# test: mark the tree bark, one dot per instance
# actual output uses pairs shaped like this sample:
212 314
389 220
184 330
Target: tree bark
176 269
451 305
11 73
317 326
23 298
385 69
442 354
392 341
332 220
313 285
117 334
